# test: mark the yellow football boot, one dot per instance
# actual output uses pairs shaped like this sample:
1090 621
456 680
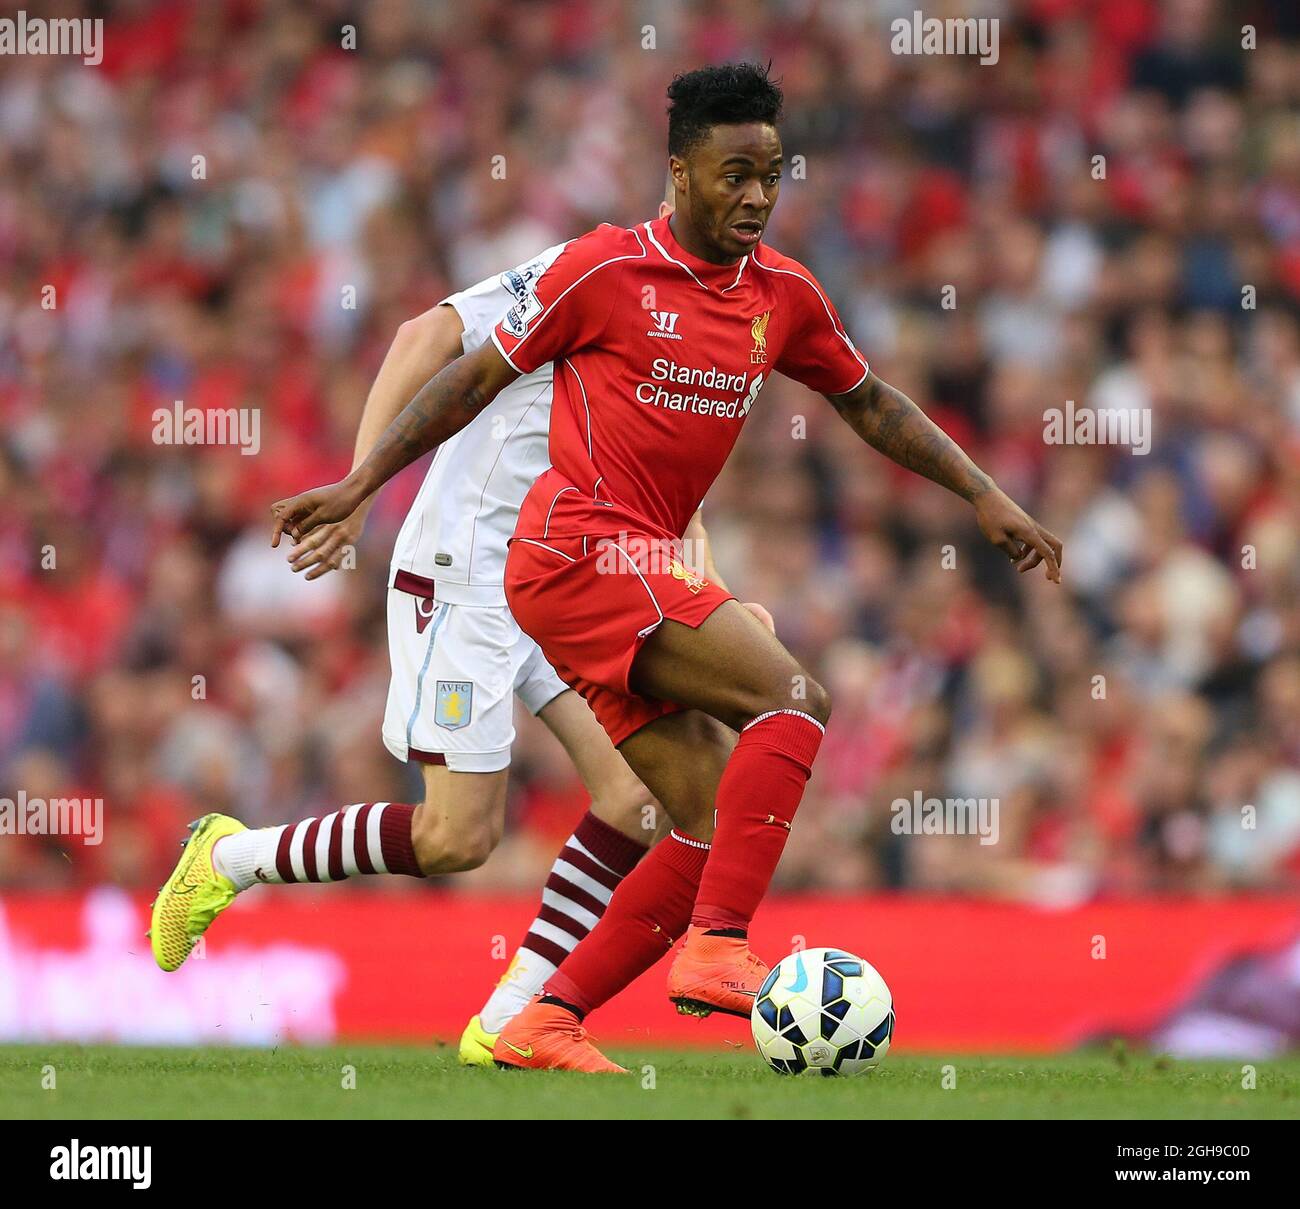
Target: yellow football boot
193 896
476 1044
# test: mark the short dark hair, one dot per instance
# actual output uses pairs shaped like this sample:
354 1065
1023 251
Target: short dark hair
713 96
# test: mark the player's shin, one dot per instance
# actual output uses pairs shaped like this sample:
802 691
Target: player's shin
756 802
594 861
647 914
369 837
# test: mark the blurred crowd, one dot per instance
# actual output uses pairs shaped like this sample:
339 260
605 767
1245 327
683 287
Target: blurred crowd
237 210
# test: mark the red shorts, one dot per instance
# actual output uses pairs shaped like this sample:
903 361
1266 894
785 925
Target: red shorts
590 603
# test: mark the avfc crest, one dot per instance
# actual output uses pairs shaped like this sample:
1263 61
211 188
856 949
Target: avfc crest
453 701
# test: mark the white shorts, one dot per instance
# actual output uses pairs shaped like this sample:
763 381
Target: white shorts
455 671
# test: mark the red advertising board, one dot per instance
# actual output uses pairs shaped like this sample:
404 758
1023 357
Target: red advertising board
318 964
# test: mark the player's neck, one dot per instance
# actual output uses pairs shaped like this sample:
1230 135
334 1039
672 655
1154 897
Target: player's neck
690 241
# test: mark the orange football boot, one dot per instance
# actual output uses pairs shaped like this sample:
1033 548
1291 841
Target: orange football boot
546 1037
715 974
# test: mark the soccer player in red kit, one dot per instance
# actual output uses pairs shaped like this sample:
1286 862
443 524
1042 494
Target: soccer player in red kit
663 336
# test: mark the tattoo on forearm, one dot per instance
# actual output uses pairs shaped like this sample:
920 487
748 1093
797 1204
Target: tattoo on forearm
440 409
889 421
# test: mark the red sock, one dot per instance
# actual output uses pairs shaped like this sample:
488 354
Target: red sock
757 797
650 909
396 840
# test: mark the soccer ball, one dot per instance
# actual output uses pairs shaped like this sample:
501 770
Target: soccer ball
823 1010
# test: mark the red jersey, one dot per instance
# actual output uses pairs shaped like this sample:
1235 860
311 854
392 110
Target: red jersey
659 357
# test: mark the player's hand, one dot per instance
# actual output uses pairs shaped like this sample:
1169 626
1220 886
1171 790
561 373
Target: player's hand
300 514
761 613
324 549
1021 538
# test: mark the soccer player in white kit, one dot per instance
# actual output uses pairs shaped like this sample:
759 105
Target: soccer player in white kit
458 659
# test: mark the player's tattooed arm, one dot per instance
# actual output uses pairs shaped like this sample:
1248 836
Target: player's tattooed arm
441 408
444 405
890 422
422 346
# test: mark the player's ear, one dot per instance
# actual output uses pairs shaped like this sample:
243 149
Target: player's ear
676 179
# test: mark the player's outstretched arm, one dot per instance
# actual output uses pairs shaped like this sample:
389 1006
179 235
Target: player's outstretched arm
889 421
440 409
422 346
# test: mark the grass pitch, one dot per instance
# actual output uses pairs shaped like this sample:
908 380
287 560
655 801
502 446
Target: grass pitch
109 1082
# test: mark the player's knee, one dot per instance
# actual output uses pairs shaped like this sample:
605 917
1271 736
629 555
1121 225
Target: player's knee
625 804
453 851
801 692
428 838
446 845
817 702
468 851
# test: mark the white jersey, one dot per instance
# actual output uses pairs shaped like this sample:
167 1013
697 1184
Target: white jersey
464 515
